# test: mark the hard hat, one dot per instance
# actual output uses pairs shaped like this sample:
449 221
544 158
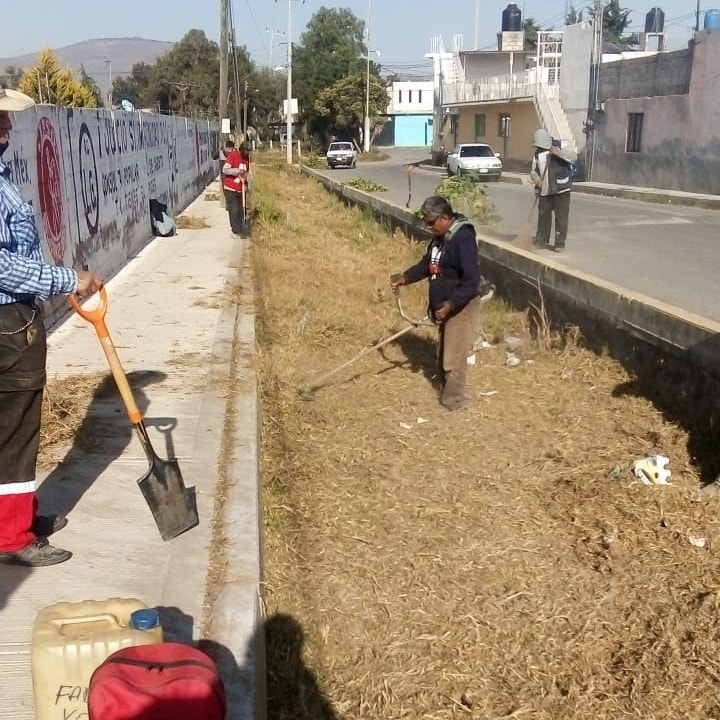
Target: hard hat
12 100
542 139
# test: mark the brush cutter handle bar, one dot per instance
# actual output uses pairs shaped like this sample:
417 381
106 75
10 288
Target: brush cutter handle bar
414 321
97 318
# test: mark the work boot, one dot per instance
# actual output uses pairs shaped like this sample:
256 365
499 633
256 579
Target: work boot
44 525
37 554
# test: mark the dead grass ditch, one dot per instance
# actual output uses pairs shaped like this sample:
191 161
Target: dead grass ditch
497 563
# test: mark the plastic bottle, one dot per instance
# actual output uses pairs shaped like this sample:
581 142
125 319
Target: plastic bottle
71 639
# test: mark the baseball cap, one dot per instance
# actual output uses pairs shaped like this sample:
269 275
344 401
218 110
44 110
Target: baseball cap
13 100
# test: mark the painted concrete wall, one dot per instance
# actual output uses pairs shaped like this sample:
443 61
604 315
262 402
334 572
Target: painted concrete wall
680 147
412 96
655 74
487 64
517 151
90 175
575 68
413 130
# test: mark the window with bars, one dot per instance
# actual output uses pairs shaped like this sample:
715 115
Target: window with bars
633 141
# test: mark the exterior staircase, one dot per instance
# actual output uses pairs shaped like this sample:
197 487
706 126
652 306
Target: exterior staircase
552 116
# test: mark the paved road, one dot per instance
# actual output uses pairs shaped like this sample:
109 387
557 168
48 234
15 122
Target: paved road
668 252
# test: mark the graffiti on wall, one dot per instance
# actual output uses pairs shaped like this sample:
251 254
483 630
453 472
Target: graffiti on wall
95 178
50 188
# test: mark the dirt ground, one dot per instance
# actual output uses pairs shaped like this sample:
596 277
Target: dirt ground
499 563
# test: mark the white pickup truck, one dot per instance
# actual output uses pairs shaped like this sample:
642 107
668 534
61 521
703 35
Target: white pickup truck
341 154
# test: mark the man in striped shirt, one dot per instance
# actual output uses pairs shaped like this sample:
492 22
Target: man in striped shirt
25 280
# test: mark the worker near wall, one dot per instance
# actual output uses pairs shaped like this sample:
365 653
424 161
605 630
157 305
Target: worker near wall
25 280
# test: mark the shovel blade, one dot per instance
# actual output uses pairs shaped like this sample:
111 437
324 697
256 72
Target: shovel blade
173 505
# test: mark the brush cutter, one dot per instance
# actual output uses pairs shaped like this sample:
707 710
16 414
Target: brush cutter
173 506
308 387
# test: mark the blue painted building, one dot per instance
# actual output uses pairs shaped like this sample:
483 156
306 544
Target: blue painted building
410 114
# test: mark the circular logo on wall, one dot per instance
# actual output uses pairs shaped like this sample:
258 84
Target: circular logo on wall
89 180
50 188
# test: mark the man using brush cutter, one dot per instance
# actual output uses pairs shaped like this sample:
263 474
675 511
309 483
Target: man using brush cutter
24 281
451 266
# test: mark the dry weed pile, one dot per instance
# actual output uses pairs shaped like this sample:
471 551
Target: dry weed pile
65 403
497 563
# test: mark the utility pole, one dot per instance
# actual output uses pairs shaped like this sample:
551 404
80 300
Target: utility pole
366 127
697 16
272 34
288 116
477 22
597 52
108 62
245 106
223 94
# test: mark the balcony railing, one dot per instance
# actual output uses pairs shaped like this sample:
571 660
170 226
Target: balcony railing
505 87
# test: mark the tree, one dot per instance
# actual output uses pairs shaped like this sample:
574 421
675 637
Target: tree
573 16
343 105
11 77
92 86
47 82
268 90
135 87
330 49
531 29
615 22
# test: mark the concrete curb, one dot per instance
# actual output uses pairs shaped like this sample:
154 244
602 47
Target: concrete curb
627 192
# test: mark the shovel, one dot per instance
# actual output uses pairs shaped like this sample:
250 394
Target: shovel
173 506
245 223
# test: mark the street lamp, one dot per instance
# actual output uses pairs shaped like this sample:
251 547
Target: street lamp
108 62
366 123
366 126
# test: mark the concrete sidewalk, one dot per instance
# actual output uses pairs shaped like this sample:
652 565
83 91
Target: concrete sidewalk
184 331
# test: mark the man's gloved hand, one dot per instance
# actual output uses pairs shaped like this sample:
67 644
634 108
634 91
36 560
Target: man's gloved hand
397 279
443 311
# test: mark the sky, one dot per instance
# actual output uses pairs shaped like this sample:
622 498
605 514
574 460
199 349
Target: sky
400 30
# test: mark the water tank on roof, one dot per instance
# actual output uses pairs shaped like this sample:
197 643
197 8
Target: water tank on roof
712 20
655 21
512 18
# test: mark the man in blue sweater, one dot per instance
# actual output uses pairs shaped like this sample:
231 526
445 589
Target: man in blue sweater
450 264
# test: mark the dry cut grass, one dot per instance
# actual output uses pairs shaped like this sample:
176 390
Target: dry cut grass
497 563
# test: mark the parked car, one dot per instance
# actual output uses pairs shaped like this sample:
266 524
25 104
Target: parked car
475 160
341 154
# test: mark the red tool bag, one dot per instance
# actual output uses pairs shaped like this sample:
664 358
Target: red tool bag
164 681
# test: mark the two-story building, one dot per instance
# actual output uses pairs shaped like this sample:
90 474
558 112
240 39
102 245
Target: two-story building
409 120
644 118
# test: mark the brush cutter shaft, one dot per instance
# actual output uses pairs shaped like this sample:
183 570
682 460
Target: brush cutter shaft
319 381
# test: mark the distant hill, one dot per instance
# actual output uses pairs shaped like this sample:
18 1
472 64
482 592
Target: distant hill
122 53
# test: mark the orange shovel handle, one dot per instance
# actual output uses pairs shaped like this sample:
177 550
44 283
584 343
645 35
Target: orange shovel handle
96 316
